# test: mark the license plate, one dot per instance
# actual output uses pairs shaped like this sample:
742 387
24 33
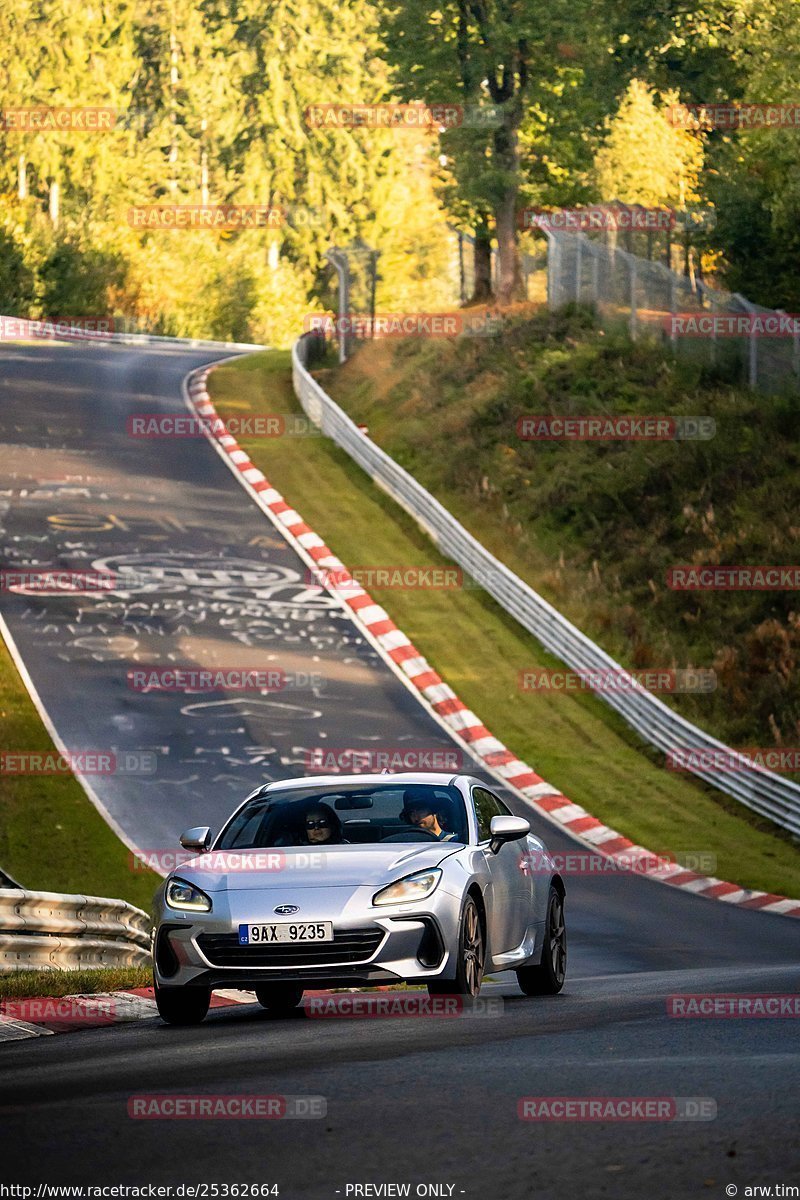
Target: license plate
286 931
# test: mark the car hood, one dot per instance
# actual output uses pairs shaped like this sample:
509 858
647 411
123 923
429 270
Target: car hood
338 866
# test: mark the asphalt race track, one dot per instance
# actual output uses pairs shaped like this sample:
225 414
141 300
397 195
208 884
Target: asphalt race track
417 1101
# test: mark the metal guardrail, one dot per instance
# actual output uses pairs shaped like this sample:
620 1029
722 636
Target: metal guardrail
42 931
763 791
131 339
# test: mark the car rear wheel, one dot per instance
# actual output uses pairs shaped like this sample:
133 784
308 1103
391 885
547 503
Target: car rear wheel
182 1005
547 979
471 955
279 997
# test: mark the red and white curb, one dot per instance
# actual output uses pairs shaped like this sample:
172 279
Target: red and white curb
41 1016
38 1016
440 700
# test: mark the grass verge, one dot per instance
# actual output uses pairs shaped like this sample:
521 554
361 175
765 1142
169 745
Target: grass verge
52 838
22 984
574 741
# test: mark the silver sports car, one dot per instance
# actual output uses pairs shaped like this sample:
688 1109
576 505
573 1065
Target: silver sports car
358 881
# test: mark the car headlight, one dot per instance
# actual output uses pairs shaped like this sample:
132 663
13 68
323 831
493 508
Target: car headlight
413 887
180 894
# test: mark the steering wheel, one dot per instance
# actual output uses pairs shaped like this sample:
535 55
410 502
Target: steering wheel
403 835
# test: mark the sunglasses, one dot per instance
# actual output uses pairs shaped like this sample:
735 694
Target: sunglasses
318 824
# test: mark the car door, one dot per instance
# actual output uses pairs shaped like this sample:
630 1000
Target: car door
509 869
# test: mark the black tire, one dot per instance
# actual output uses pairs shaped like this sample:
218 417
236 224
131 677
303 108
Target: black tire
182 1005
471 957
279 998
547 979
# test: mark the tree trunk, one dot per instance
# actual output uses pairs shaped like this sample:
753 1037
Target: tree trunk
506 156
55 202
482 265
509 276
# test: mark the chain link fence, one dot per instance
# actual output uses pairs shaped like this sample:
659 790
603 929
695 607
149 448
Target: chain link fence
642 292
695 321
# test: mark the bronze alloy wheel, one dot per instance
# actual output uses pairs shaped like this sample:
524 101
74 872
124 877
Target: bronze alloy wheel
471 957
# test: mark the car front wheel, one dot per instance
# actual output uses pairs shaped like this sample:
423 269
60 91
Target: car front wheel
182 1005
547 979
471 955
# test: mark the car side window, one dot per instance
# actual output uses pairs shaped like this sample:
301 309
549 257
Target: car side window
486 807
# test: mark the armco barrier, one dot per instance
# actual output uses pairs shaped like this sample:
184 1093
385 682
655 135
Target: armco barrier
141 339
44 930
763 791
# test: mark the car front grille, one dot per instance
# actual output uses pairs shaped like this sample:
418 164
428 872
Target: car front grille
348 946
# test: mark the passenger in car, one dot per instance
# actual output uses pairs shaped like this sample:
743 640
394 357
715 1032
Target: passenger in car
321 826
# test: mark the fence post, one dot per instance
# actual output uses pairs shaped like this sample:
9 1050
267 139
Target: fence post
752 355
338 260
632 323
578 267
552 267
673 310
795 343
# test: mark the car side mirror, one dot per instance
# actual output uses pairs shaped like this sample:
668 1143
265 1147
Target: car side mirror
197 838
507 829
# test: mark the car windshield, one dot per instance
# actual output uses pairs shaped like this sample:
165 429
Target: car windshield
352 814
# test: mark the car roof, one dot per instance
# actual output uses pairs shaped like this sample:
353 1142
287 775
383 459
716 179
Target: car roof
405 778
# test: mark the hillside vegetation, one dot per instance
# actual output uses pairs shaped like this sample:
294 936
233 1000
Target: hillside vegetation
595 526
